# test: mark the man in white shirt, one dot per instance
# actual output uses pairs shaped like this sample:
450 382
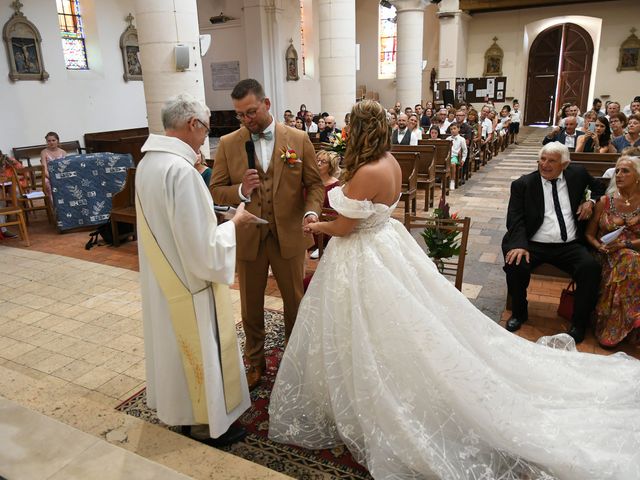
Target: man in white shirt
543 217
309 125
402 135
633 108
487 125
566 136
612 108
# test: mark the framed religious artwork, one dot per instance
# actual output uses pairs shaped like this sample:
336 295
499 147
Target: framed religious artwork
130 49
23 43
630 53
291 58
493 60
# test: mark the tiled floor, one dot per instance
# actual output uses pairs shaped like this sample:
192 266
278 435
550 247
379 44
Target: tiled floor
71 344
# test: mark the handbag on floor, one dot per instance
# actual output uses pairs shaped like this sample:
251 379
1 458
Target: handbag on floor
567 297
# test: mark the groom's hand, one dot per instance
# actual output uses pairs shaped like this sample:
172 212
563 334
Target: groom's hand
250 181
306 221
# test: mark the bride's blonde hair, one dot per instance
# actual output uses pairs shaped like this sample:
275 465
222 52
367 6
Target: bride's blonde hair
369 136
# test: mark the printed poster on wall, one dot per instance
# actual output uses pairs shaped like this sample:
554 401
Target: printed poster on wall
225 75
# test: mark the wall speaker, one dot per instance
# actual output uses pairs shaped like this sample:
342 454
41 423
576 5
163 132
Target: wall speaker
182 57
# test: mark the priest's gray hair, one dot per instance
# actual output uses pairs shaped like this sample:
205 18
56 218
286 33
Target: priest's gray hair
180 109
557 148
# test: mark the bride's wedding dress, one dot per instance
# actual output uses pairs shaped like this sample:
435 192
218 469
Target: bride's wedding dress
389 358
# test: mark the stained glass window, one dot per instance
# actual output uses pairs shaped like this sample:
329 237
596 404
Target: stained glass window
72 32
302 35
388 41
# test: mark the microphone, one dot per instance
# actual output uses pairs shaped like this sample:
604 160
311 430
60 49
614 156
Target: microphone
251 154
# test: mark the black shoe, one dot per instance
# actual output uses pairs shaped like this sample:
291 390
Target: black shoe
235 434
514 324
577 333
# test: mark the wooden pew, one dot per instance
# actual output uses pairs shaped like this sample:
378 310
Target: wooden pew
118 141
408 161
33 151
425 169
443 161
123 207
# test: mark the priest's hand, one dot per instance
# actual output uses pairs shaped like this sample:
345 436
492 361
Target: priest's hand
243 218
250 181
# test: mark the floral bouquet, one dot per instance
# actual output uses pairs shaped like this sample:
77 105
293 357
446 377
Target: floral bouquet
336 143
441 241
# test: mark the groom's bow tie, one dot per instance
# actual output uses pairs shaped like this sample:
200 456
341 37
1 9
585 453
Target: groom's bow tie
266 135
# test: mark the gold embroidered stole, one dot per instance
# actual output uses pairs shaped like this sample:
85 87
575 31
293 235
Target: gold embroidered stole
185 326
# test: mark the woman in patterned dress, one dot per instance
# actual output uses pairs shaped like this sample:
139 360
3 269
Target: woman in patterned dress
618 310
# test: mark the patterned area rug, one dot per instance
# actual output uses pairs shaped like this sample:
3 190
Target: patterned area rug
256 447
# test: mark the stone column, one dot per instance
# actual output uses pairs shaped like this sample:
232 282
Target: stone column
454 28
161 26
265 53
410 25
337 56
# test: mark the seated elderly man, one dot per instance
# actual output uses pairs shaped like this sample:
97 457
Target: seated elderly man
544 218
566 136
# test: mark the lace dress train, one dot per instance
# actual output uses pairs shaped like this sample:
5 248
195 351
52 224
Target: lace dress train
390 359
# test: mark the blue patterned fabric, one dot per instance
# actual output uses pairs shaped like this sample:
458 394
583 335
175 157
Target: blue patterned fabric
83 185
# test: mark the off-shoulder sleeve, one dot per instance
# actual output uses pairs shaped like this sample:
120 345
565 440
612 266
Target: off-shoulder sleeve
349 207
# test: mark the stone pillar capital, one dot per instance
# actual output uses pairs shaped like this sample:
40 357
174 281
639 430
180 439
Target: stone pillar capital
458 15
409 5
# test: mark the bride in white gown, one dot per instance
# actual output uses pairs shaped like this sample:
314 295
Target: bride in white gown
390 359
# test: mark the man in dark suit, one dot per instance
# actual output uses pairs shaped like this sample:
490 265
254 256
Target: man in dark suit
330 129
567 136
543 226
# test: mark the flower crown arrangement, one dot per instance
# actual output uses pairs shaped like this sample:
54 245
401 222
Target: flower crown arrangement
289 157
441 241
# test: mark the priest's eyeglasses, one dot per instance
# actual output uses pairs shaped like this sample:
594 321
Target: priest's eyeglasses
204 125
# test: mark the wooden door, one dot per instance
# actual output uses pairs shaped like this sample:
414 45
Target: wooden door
542 76
575 66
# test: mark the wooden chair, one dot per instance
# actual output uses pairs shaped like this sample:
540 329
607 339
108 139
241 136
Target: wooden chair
8 194
408 161
123 207
29 197
451 267
443 161
425 168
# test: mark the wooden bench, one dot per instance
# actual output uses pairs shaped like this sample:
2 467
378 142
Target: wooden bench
425 169
123 207
595 163
408 161
33 151
128 141
443 161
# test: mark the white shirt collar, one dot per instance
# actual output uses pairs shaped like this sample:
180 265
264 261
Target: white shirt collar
548 182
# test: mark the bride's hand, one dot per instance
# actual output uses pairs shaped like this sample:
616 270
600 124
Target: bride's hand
311 228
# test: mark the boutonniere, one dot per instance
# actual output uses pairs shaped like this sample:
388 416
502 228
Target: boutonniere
289 157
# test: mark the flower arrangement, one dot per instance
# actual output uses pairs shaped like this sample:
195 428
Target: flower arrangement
337 143
289 157
441 241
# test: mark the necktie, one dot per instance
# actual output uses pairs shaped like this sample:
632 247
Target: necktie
266 135
556 206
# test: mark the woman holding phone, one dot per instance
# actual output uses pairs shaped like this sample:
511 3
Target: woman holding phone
596 138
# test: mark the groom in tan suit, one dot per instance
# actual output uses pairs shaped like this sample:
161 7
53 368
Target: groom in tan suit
287 195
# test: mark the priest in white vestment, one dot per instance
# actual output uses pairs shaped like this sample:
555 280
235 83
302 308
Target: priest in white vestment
177 211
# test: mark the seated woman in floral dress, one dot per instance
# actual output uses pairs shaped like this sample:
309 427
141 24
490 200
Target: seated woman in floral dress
618 309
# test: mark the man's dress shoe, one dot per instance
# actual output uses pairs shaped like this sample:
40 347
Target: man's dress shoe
577 333
253 376
514 324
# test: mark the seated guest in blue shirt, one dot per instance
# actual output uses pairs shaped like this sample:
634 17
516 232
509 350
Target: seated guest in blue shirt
631 138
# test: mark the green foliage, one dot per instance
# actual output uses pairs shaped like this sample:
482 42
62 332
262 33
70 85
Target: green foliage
440 240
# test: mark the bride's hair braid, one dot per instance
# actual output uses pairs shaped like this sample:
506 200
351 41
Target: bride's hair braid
369 136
